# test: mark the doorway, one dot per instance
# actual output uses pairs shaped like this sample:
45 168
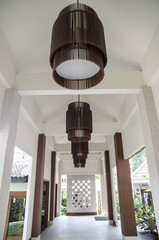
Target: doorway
15 216
45 204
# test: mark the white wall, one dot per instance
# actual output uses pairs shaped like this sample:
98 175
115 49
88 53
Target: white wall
47 171
47 166
18 187
2 92
27 140
93 165
155 91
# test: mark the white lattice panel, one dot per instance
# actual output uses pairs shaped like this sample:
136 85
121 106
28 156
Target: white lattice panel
81 195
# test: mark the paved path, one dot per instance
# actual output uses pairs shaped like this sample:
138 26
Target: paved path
84 228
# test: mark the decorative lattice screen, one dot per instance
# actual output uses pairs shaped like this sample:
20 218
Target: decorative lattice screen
81 194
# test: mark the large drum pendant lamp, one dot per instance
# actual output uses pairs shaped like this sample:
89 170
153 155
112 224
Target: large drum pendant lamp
78 53
79 122
79 152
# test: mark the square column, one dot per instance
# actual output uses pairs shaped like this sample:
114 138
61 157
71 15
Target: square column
127 213
104 195
59 197
8 129
150 127
109 188
38 194
52 195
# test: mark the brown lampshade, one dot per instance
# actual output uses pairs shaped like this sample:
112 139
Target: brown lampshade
78 53
79 163
79 122
79 152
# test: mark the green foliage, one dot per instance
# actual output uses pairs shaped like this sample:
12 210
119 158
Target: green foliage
17 210
97 177
99 207
137 160
137 203
64 198
117 204
64 203
16 230
143 215
146 178
63 211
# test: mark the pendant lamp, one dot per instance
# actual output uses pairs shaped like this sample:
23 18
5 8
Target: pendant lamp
78 53
79 122
79 152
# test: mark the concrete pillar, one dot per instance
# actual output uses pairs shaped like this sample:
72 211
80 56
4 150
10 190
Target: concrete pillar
8 128
103 195
151 136
127 213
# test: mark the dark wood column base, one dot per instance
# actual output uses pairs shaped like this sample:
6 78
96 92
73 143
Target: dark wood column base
81 214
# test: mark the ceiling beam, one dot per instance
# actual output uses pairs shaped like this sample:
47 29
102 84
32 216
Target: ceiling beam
32 112
150 63
127 110
101 128
114 82
7 63
93 147
91 157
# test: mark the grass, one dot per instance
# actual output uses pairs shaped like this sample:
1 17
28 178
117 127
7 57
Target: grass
16 230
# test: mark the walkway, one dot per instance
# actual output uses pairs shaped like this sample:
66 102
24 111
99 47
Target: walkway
82 228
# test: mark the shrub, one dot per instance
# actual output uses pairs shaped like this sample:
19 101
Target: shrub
143 215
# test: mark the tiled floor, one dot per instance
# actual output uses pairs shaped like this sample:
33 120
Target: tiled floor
83 228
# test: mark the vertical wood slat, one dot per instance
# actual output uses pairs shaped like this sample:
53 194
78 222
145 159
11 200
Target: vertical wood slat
56 200
127 214
109 188
52 194
46 204
38 194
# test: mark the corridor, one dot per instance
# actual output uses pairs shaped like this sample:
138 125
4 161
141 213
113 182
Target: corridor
81 228
85 228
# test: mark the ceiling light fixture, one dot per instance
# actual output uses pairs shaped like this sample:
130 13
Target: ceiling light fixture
79 152
78 53
79 122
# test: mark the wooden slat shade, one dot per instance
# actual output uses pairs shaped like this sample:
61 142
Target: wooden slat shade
78 34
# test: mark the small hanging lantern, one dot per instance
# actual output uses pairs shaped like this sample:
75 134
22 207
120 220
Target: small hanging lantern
79 122
79 152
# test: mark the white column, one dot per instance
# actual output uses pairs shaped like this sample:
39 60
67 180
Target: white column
151 136
8 128
104 194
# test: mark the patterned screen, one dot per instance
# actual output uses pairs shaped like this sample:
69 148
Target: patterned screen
81 193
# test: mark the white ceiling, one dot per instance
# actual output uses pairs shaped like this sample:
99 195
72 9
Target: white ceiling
129 26
104 107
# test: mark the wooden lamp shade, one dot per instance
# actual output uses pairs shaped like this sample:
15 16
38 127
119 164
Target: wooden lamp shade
79 163
79 152
78 53
79 122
